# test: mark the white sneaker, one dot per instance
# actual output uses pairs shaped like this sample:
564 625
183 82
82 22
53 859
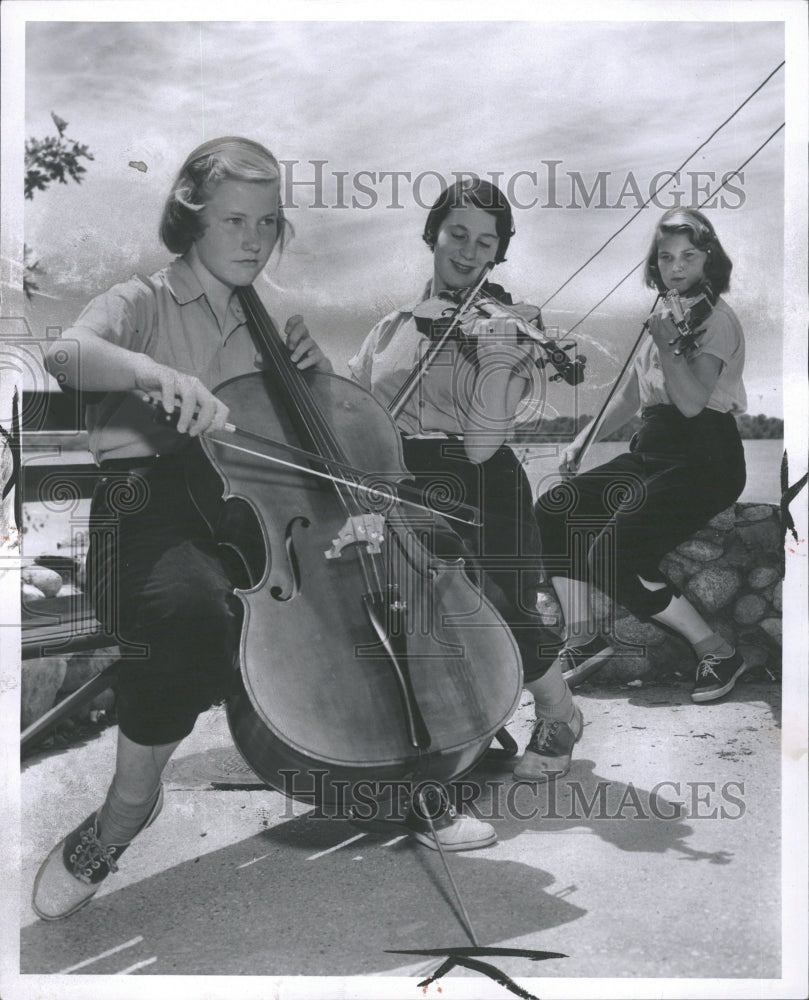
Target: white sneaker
456 833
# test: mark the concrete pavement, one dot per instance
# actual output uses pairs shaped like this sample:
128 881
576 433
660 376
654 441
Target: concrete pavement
657 856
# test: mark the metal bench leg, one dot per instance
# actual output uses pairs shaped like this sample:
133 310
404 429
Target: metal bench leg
69 705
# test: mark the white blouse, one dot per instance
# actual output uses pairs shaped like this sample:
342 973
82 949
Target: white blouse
724 339
392 350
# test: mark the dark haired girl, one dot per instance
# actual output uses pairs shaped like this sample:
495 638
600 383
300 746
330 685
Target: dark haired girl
454 430
686 465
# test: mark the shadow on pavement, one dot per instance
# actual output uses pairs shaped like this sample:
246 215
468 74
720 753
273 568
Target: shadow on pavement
266 906
667 695
622 814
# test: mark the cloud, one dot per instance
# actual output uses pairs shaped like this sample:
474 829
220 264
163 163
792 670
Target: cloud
616 98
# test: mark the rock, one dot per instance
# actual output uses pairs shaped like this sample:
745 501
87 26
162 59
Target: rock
762 576
624 667
724 520
46 580
762 535
778 596
30 593
755 655
750 609
696 548
65 566
636 633
671 656
773 666
83 667
604 610
678 568
40 683
757 512
710 535
713 587
773 627
738 555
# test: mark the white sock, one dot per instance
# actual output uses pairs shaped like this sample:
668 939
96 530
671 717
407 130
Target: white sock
552 697
134 789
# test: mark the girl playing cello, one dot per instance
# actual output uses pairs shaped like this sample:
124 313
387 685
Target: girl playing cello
686 466
454 428
168 586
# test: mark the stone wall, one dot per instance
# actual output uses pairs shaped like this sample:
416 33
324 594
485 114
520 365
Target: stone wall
732 571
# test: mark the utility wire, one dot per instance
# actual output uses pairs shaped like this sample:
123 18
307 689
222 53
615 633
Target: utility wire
661 186
596 423
713 194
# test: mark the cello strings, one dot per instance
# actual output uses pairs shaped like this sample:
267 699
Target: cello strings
472 513
309 414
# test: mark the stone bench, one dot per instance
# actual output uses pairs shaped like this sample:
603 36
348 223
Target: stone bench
732 571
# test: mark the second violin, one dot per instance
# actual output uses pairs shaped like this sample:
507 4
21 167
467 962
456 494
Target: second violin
688 313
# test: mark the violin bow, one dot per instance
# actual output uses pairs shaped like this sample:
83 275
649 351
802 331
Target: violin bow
408 387
596 424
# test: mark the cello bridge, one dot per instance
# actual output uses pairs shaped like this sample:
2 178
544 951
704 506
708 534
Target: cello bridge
360 529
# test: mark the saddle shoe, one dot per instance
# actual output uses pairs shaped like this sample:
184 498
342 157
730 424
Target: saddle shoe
549 750
73 871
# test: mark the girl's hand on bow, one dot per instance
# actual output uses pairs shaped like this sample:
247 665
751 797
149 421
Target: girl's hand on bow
199 409
571 458
305 352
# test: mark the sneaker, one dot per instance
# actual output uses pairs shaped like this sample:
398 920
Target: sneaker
455 832
716 675
579 662
549 750
72 873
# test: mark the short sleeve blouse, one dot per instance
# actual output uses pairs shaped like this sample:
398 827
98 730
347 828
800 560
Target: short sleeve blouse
387 356
724 339
167 317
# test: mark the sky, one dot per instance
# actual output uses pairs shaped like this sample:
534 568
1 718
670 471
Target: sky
575 118
554 108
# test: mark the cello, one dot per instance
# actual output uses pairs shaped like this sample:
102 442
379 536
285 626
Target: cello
363 658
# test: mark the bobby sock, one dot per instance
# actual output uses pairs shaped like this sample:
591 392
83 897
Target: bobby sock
121 818
552 697
713 644
134 789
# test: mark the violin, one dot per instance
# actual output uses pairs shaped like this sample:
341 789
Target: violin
439 313
364 660
688 314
